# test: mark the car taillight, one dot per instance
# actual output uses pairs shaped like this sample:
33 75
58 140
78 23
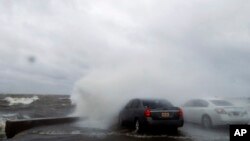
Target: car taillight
147 112
180 113
220 111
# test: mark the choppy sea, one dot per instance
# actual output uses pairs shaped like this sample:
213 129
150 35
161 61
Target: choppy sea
24 106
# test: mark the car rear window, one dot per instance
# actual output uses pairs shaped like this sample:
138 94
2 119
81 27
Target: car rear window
156 104
221 103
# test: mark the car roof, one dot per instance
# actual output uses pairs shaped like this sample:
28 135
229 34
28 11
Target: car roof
208 99
148 99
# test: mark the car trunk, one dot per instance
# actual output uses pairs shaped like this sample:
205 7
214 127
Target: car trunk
172 113
234 111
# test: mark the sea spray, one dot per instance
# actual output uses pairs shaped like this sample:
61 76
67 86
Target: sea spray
104 90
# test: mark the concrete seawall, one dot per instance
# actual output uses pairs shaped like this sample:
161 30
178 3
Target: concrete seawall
14 127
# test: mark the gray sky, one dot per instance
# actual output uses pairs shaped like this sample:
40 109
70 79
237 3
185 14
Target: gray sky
197 46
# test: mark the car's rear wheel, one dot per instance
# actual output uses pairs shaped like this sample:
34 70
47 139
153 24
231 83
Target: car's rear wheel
207 122
137 127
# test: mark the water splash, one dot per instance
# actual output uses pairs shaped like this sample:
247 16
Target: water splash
21 100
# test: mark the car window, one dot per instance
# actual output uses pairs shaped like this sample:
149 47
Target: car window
196 103
128 105
189 104
221 103
201 103
135 104
155 104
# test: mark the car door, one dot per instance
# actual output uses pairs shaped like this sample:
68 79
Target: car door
200 107
125 113
136 109
133 111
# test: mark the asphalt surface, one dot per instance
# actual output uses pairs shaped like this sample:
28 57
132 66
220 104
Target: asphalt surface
71 132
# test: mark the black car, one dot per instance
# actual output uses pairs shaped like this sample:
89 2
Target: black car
143 114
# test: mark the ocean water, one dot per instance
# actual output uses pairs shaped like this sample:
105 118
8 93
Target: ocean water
23 106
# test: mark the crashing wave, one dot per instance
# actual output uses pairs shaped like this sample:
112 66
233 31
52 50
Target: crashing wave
2 124
22 100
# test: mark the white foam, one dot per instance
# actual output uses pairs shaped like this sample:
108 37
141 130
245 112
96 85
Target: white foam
22 100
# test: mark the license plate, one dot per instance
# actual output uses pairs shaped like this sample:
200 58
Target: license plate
165 115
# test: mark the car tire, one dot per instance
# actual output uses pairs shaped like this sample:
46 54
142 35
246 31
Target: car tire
138 127
207 122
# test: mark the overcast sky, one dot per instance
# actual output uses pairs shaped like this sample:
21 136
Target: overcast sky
48 45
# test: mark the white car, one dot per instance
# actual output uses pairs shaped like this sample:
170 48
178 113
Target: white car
214 112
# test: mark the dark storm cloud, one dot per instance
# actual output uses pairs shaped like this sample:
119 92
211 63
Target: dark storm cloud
202 45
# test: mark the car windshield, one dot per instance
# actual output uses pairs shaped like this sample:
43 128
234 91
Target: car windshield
221 103
157 104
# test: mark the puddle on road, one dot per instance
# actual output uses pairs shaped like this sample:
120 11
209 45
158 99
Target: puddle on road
99 134
187 133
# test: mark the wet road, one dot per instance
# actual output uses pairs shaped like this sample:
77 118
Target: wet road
71 132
